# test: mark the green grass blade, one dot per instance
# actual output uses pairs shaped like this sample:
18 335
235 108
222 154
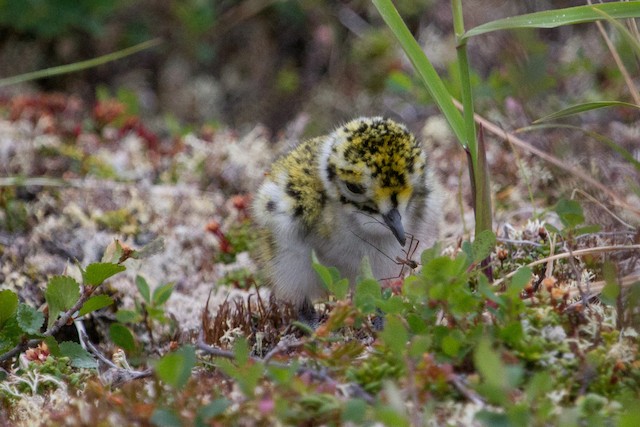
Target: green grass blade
629 38
421 63
598 137
483 212
581 108
559 17
77 66
465 83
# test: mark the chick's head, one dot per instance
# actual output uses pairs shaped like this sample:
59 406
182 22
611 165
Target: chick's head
372 166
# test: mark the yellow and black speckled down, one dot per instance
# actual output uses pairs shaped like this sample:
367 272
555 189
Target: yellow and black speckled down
354 193
303 183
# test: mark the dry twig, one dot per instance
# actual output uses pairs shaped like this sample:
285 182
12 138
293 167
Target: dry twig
577 172
354 389
580 252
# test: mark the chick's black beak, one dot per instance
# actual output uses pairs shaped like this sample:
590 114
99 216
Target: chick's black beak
394 221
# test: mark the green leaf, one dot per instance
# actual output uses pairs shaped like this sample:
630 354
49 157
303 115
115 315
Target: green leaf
559 17
335 274
539 385
414 287
417 324
493 419
122 337
395 335
241 351
392 305
157 314
165 418
486 290
483 244
552 229
128 316
390 416
581 108
94 303
467 249
249 377
161 294
520 279
444 269
98 272
61 294
367 294
29 319
211 410
283 375
53 345
630 417
570 212
330 277
451 344
420 345
113 253
587 229
431 253
10 334
493 372
340 288
365 269
228 368
323 271
175 368
354 412
8 305
79 357
5 345
488 364
611 290
512 333
423 66
143 288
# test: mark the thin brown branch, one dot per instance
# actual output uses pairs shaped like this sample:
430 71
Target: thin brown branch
281 347
577 172
616 57
66 316
354 389
54 329
576 273
115 373
580 252
552 249
519 242
93 350
19 349
602 206
595 288
471 395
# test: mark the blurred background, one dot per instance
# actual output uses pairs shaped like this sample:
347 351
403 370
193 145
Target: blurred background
163 149
241 62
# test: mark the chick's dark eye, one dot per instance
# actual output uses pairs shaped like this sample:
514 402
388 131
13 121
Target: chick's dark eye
355 188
